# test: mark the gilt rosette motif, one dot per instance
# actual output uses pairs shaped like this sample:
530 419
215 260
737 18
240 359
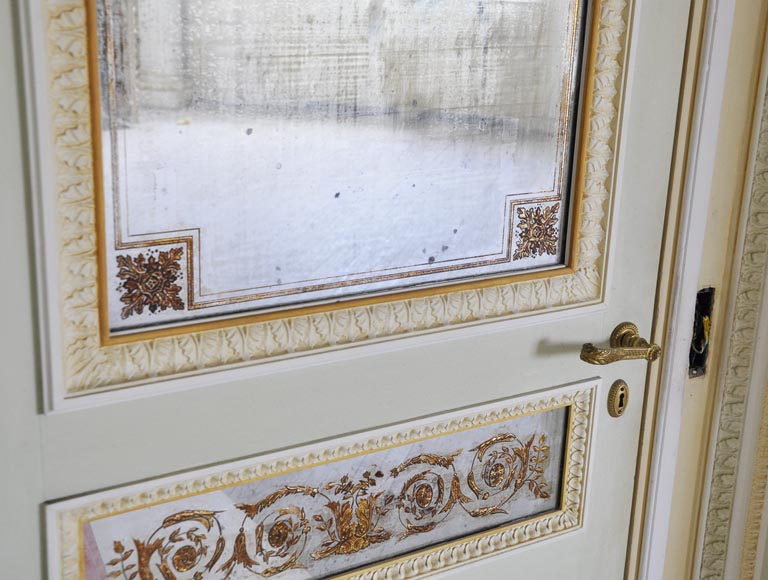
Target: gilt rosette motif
538 231
149 281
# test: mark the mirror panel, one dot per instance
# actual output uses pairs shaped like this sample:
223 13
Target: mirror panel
279 153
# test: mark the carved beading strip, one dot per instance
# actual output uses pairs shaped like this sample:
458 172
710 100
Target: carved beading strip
756 499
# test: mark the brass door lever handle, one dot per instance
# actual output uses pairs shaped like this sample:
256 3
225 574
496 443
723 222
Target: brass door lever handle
626 344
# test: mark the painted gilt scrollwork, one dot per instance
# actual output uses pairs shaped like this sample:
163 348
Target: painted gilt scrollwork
501 467
186 545
340 518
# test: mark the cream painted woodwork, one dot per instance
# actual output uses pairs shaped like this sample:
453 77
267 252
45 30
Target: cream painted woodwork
320 397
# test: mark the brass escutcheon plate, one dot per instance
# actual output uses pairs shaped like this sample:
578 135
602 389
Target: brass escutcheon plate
618 398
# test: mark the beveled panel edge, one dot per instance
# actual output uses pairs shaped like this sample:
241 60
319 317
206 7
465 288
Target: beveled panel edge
63 519
81 364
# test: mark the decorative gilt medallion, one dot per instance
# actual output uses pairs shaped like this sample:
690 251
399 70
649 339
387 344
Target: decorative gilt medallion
149 280
538 231
509 473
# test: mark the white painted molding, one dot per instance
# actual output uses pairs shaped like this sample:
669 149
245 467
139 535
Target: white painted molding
746 518
41 178
689 254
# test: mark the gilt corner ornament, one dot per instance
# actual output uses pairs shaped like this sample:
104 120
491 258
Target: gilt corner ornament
538 231
149 281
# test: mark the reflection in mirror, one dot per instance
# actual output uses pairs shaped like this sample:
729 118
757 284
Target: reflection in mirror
269 154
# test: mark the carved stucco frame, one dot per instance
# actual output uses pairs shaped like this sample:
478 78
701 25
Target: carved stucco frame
65 519
81 364
730 541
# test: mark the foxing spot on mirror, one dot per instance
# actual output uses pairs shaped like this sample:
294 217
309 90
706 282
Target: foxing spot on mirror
275 154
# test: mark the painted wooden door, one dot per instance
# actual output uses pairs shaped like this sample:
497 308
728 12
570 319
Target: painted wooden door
505 369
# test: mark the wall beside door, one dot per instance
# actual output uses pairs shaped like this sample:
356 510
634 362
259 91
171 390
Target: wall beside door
20 467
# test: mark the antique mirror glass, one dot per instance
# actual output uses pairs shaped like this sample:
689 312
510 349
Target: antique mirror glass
266 155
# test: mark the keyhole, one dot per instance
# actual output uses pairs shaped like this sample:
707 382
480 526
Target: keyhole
618 398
